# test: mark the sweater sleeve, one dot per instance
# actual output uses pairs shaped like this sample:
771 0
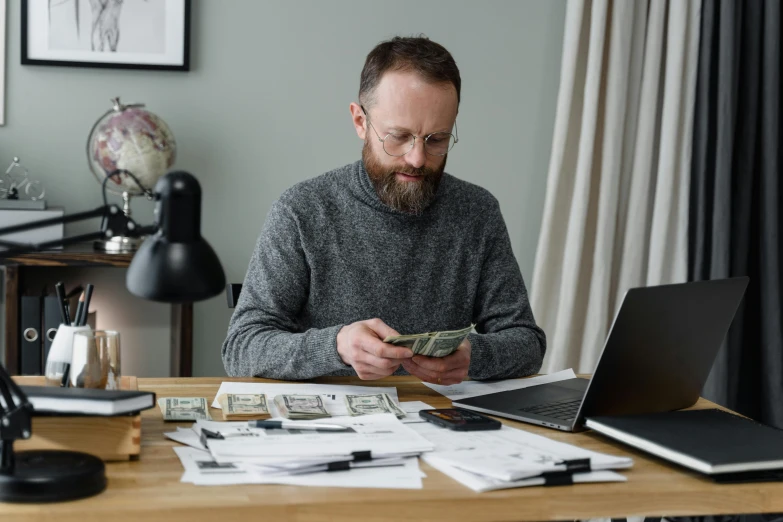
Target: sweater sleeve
508 343
264 337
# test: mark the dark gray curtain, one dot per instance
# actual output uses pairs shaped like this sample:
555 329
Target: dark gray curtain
735 199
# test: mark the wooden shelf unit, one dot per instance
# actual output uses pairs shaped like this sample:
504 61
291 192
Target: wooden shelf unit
84 256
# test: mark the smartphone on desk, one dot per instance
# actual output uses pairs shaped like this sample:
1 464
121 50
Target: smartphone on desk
460 420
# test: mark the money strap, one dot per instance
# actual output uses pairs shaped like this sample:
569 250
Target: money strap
558 478
360 456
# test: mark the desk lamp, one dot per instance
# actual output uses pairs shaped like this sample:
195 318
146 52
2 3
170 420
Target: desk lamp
174 264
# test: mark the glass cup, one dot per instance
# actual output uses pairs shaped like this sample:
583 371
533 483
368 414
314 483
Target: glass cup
95 362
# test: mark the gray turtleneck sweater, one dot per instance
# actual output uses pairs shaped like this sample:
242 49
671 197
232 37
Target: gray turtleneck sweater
331 253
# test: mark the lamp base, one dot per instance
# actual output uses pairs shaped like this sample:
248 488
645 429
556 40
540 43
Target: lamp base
52 476
119 244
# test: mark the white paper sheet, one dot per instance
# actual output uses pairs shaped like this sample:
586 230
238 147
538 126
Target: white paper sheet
511 454
496 452
381 434
201 469
333 395
467 389
186 436
481 483
412 408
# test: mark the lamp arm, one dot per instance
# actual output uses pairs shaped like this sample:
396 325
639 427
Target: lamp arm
15 419
114 222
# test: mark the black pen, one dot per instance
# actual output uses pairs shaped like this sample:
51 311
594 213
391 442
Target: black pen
86 308
285 425
59 288
77 319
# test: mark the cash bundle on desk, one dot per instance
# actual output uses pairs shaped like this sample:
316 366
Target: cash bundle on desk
377 450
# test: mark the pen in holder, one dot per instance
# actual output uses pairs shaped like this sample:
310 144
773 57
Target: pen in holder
60 354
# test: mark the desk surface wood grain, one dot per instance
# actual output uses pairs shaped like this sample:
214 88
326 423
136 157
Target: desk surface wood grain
150 489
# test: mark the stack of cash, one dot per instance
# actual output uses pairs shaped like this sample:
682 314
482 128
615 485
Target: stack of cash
369 404
301 407
184 409
243 406
431 344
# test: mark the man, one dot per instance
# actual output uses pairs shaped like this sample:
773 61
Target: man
390 244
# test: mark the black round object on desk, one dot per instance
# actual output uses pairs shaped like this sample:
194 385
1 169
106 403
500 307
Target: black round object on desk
52 476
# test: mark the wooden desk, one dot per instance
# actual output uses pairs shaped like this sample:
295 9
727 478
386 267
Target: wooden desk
84 256
150 488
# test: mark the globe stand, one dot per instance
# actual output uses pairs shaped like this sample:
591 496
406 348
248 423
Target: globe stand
121 244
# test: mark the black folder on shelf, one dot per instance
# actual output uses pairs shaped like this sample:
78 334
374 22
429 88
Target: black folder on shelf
51 321
726 447
30 338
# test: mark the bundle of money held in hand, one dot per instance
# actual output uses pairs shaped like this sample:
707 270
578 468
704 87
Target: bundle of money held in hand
243 406
184 409
369 404
301 407
431 344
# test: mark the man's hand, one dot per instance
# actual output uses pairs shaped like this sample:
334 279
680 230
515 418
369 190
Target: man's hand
361 346
452 369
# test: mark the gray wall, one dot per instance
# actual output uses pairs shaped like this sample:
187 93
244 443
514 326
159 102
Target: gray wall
266 106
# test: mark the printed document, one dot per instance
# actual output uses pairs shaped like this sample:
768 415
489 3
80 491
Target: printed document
467 389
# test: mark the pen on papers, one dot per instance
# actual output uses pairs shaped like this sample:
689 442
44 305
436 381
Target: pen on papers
283 425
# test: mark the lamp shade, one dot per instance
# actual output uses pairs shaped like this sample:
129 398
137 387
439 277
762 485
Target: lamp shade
176 264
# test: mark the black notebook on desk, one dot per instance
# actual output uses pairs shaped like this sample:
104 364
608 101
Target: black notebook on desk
87 401
727 447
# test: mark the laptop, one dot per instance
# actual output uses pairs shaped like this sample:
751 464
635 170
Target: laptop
657 356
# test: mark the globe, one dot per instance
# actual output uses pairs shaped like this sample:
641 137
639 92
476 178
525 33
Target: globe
131 138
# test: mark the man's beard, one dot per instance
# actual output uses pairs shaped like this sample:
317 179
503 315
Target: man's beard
412 197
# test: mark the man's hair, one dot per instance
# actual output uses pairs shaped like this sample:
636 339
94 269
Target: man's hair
417 54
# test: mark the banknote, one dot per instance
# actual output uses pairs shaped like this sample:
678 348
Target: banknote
369 404
431 344
183 409
301 406
239 406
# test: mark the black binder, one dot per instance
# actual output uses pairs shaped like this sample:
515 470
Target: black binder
725 447
30 334
51 321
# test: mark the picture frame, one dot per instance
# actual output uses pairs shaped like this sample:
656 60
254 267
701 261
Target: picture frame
120 34
2 61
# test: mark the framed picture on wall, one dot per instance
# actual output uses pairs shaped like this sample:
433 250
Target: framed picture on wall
112 34
2 62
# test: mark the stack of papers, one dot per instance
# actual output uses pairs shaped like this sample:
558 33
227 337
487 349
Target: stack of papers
511 458
378 451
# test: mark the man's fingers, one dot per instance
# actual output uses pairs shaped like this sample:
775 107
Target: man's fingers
422 373
381 329
451 377
377 362
441 364
387 351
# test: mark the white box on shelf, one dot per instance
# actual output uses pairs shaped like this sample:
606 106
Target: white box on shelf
11 217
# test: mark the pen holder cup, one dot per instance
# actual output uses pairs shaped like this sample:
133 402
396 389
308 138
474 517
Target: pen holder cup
61 353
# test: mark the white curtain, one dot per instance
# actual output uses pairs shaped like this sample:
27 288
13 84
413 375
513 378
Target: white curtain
616 210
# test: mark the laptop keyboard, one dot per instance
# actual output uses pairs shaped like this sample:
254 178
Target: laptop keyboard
564 410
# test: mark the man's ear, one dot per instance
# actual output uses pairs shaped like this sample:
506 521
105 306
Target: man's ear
359 120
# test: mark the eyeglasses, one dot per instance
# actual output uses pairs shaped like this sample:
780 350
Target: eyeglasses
399 144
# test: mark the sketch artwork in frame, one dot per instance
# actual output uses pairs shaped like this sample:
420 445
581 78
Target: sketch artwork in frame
2 62
113 34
